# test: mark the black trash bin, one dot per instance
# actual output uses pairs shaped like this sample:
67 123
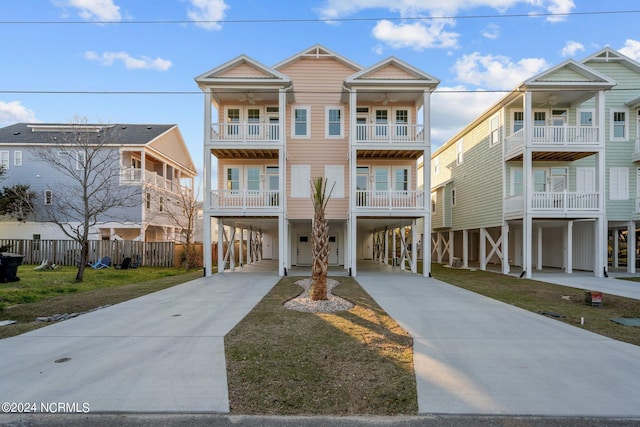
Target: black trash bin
9 266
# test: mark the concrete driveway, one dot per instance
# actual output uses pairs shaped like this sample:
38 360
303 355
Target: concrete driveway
162 352
475 355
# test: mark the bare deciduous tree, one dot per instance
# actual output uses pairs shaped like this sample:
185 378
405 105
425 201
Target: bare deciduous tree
89 192
184 214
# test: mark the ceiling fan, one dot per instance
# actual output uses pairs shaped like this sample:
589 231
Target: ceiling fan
250 97
385 99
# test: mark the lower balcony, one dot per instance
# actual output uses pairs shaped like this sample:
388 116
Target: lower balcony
391 200
554 202
134 176
245 199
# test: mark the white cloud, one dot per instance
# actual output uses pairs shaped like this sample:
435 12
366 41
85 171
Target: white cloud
452 108
491 31
207 10
14 112
93 10
131 63
417 35
631 49
432 33
571 48
495 71
559 6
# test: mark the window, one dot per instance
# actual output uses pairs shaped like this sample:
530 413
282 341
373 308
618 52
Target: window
17 158
48 197
459 152
253 118
619 125
81 160
233 121
518 121
253 179
301 122
453 197
619 183
382 118
148 201
494 130
539 180
334 122
402 121
436 166
381 179
402 179
4 159
433 202
585 117
233 179
517 182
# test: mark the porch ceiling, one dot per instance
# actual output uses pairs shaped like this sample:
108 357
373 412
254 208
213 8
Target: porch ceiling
390 154
239 153
547 156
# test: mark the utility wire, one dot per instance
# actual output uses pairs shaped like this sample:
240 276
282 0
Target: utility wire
324 20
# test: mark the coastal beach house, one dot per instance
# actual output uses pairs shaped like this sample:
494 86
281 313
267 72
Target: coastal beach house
270 130
150 157
546 177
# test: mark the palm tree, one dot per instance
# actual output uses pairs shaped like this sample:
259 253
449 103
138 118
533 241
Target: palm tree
319 239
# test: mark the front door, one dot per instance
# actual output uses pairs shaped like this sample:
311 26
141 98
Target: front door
333 250
304 250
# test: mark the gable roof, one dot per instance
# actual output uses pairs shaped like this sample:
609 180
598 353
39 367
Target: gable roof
114 134
247 70
569 74
392 70
609 55
317 51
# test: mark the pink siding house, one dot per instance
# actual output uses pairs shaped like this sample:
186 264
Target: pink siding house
269 130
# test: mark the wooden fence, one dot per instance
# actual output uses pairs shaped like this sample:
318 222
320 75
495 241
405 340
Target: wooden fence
67 252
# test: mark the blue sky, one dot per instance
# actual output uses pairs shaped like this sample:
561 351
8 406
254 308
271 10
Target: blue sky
52 47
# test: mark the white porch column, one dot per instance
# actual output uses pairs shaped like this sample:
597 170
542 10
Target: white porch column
569 247
527 173
539 254
240 247
282 244
393 247
505 249
414 246
527 239
451 235
352 237
600 232
232 242
220 246
483 249
616 248
465 248
426 246
206 243
249 243
631 247
386 246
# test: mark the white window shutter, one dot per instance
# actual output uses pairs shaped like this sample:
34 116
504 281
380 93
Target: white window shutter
585 180
335 178
619 183
300 176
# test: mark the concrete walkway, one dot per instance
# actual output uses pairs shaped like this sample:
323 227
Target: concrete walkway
163 352
586 280
475 355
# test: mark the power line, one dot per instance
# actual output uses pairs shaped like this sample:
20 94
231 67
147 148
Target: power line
324 20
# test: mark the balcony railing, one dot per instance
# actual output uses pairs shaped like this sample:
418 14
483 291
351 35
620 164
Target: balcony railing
399 200
554 136
391 133
140 176
240 132
245 199
555 201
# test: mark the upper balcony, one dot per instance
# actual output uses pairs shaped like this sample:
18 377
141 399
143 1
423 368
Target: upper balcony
138 176
389 133
389 202
554 203
560 139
